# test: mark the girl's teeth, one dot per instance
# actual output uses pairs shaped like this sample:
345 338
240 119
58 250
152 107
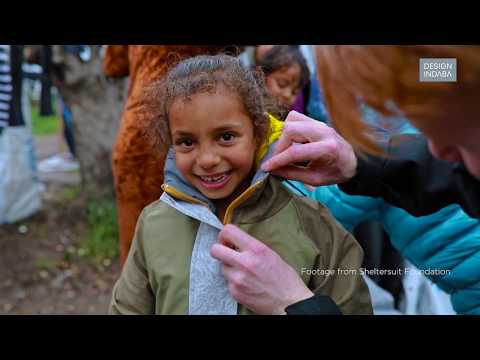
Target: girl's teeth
213 179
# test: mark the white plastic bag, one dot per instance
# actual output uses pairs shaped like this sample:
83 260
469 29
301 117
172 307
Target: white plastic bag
20 188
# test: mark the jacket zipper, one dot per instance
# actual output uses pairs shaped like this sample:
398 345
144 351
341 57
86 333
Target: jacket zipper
238 201
233 205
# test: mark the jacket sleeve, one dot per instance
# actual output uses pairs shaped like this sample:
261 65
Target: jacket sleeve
410 178
115 61
316 305
132 294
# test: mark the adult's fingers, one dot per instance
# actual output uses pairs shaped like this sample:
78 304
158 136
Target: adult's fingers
305 176
300 128
301 133
319 152
225 254
294 132
296 116
240 239
226 271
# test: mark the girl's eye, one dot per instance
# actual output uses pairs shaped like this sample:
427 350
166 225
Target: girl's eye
184 142
227 137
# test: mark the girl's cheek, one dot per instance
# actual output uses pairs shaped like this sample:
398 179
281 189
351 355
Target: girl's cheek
183 163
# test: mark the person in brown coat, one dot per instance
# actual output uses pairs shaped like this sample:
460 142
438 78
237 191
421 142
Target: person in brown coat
137 167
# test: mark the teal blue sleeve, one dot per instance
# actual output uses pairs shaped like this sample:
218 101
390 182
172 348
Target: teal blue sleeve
447 240
349 210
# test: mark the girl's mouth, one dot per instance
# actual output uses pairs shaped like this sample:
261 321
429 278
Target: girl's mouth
215 181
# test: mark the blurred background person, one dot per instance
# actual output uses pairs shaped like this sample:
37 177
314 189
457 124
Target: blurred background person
64 160
290 74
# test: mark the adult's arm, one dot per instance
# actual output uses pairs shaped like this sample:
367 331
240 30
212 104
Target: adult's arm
316 305
412 179
409 177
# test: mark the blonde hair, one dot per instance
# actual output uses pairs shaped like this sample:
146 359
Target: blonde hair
386 77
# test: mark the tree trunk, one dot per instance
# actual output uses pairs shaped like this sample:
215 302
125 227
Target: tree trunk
46 93
96 103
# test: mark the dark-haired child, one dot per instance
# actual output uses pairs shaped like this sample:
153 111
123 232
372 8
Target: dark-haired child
286 75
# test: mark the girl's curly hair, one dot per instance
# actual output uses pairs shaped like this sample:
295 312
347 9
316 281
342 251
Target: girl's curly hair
203 74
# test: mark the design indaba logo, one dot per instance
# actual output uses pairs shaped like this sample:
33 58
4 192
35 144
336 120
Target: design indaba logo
438 70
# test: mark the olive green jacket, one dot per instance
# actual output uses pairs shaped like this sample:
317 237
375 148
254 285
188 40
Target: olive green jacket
169 269
158 273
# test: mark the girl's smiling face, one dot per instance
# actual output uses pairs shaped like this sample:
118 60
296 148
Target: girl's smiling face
214 142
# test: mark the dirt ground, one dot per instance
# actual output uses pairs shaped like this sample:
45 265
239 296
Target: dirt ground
41 267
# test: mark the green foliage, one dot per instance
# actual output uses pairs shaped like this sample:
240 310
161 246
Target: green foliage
101 240
44 125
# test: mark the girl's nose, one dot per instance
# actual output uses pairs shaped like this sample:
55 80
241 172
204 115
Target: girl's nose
208 159
288 97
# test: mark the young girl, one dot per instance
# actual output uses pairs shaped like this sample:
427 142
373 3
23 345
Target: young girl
286 75
213 113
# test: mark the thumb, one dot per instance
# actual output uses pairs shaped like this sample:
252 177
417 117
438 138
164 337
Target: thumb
232 235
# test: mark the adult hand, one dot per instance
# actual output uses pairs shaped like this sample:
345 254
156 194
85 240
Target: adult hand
331 160
257 277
